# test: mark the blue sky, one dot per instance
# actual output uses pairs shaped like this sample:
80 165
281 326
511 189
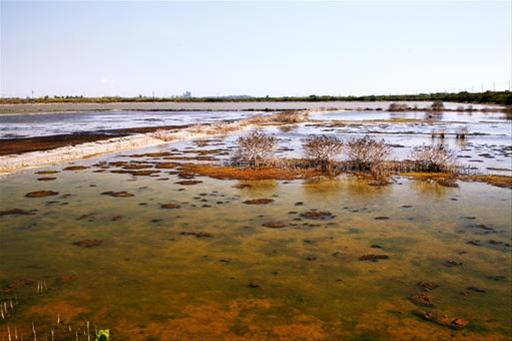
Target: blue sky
254 48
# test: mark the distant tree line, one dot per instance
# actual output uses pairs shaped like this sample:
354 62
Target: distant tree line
487 97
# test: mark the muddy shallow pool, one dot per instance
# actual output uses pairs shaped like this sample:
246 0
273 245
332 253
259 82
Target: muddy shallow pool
171 256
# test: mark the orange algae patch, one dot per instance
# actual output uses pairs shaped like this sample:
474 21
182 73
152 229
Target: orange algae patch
304 328
249 173
236 320
495 180
68 312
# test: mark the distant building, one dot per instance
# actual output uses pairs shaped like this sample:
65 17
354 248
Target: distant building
187 94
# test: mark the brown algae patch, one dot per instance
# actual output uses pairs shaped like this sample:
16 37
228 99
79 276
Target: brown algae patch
170 206
197 234
234 320
495 180
75 168
41 194
318 215
47 172
447 179
17 211
274 224
46 178
88 243
121 194
262 201
65 309
188 182
373 258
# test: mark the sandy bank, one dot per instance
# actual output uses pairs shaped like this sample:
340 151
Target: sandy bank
15 162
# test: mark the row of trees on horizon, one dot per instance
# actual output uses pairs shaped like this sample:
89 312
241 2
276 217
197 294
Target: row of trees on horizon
486 97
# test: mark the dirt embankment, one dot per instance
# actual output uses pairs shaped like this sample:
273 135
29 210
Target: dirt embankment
41 143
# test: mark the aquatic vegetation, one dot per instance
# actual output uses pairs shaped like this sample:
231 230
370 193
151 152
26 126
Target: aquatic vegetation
427 286
170 206
17 211
250 173
373 258
262 201
422 299
495 180
47 172
197 234
317 215
74 168
41 194
274 224
47 178
188 182
88 243
121 194
444 320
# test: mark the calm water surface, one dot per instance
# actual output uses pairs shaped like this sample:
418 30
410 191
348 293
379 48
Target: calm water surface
211 269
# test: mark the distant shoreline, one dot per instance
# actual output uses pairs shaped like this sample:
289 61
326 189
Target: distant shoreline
63 107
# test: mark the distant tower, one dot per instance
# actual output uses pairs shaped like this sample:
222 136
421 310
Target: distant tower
187 94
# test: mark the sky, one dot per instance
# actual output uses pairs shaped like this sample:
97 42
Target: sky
106 48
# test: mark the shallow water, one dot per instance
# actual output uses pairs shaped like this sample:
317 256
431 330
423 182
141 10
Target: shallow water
23 125
211 269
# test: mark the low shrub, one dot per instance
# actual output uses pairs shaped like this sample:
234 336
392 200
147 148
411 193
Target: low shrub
433 158
255 148
322 150
365 153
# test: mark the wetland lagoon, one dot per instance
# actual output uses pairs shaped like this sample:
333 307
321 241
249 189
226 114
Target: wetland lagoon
141 244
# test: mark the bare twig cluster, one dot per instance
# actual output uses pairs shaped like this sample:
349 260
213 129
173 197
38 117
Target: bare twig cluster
284 117
437 106
255 148
433 158
322 150
365 153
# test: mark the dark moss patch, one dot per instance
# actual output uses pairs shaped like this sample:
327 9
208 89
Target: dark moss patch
41 194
